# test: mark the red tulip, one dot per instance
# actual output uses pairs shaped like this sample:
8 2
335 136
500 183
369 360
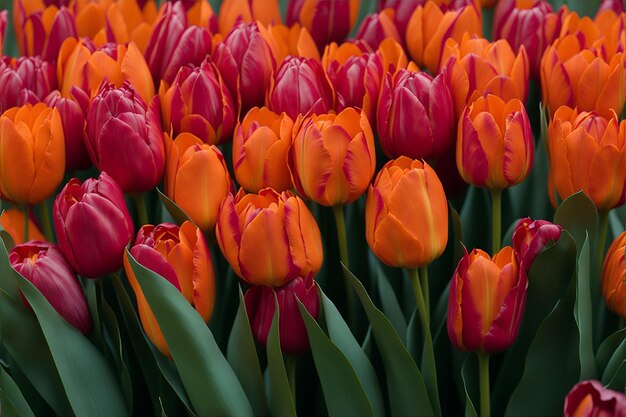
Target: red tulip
403 10
591 399
24 80
92 225
530 237
617 6
376 27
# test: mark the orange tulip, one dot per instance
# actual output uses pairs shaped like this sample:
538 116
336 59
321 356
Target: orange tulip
235 11
32 153
332 159
406 214
200 13
614 276
587 152
127 22
12 221
432 24
181 256
260 147
495 145
196 178
269 238
477 67
294 40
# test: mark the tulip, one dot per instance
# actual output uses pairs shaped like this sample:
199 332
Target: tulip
376 27
476 67
406 232
332 159
313 95
128 21
403 9
260 148
260 305
591 399
182 257
200 13
92 225
32 153
12 221
24 80
234 11
199 102
196 178
530 238
495 145
124 138
431 25
587 152
268 238
614 276
246 62
4 15
45 267
294 41
616 6
426 101
486 302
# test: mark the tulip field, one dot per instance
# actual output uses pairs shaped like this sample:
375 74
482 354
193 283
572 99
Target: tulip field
313 207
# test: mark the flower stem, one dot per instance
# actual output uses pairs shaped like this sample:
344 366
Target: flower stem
45 218
423 273
140 203
290 365
26 208
496 220
604 228
483 377
340 222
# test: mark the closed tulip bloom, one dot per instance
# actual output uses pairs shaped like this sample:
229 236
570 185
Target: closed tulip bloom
403 9
124 138
332 158
401 231
376 27
234 11
294 41
530 238
196 178
260 147
495 145
182 257
24 80
614 276
427 103
587 152
591 399
200 13
486 302
32 153
92 225
313 94
268 238
45 267
260 305
431 25
127 21
12 221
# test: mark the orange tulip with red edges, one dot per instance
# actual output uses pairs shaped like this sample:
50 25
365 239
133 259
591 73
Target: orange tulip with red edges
432 24
196 178
486 302
591 399
587 153
477 67
377 27
127 21
332 158
614 276
294 41
234 11
495 145
12 221
403 9
269 238
32 153
182 257
260 147
406 214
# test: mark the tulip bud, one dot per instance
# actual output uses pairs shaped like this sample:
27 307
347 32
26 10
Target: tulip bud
234 11
268 238
415 96
196 178
129 22
313 95
332 159
24 80
614 276
591 399
495 146
262 132
182 257
486 303
376 27
294 41
403 9
587 152
45 267
92 225
32 153
199 102
12 222
530 237
406 232
124 138
260 305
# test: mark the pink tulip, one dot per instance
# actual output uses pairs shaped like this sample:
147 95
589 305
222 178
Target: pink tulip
531 237
376 27
24 80
591 399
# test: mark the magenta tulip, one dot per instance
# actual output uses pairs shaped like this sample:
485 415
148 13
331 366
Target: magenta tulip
403 9
591 399
616 6
24 80
376 27
530 237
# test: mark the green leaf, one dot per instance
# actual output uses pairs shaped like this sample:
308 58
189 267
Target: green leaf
342 337
618 382
608 348
173 209
389 302
12 402
469 374
208 379
583 315
407 391
242 356
343 392
614 363
579 216
457 226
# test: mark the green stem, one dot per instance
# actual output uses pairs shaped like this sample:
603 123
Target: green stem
419 298
26 223
290 366
340 222
604 228
483 377
47 224
496 220
140 203
423 273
